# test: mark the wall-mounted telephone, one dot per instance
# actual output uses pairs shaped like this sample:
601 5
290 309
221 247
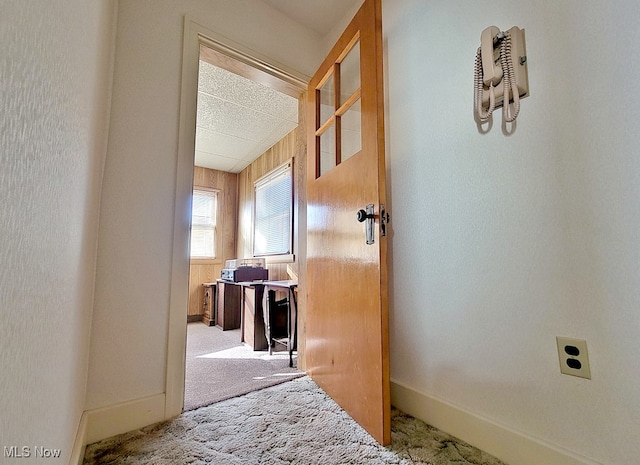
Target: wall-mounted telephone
500 75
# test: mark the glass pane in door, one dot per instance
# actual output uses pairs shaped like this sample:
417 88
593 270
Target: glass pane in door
351 132
350 73
327 101
328 149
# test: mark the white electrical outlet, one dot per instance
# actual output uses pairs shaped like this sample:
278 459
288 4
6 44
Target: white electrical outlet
574 359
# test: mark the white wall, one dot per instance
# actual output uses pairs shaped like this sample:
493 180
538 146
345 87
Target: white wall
501 243
55 68
331 37
129 334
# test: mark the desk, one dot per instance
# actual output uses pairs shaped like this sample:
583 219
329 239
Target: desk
209 304
252 321
290 287
228 307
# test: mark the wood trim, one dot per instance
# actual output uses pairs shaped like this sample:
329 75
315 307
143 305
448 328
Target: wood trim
323 81
298 269
280 168
348 103
226 58
337 90
349 46
326 125
382 193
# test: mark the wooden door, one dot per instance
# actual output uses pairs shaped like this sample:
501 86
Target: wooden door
347 335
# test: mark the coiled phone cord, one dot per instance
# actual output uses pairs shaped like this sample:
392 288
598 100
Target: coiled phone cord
509 82
478 88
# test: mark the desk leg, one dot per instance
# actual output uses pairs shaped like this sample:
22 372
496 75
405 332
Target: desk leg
266 315
293 324
241 313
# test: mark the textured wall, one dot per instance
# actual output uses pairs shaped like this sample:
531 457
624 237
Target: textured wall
55 73
501 243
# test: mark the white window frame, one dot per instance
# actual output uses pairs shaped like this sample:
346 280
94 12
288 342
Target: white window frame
265 181
215 226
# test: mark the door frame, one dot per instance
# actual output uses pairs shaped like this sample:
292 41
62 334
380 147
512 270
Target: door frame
194 35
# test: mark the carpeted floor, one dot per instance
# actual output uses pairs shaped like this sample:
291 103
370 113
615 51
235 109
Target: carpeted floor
219 366
291 423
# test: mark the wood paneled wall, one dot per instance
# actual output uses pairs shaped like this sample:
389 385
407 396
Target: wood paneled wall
292 146
283 151
300 222
209 271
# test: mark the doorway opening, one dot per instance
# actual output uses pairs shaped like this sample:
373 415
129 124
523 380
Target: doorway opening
249 129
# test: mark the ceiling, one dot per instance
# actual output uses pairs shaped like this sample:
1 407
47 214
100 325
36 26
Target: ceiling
318 15
239 119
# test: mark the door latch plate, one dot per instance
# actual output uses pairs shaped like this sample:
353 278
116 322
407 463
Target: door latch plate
384 220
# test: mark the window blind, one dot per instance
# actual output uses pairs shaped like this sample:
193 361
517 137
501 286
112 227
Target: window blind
203 224
273 213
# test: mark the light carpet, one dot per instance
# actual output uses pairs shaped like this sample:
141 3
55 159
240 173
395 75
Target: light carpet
219 366
291 423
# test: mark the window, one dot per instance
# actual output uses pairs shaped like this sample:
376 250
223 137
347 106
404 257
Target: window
203 224
273 213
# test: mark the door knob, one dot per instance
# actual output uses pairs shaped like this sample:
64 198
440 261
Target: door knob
363 215
368 216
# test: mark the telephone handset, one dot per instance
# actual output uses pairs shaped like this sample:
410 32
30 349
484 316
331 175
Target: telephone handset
492 73
500 74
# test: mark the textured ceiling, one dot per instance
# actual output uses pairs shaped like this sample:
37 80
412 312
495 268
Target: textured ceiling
238 119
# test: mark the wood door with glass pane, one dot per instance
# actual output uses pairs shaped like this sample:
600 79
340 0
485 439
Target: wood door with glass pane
347 335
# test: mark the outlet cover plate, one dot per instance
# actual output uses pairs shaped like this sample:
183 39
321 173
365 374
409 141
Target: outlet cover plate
571 353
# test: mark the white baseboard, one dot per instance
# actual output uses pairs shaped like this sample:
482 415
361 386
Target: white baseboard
116 419
80 443
510 446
